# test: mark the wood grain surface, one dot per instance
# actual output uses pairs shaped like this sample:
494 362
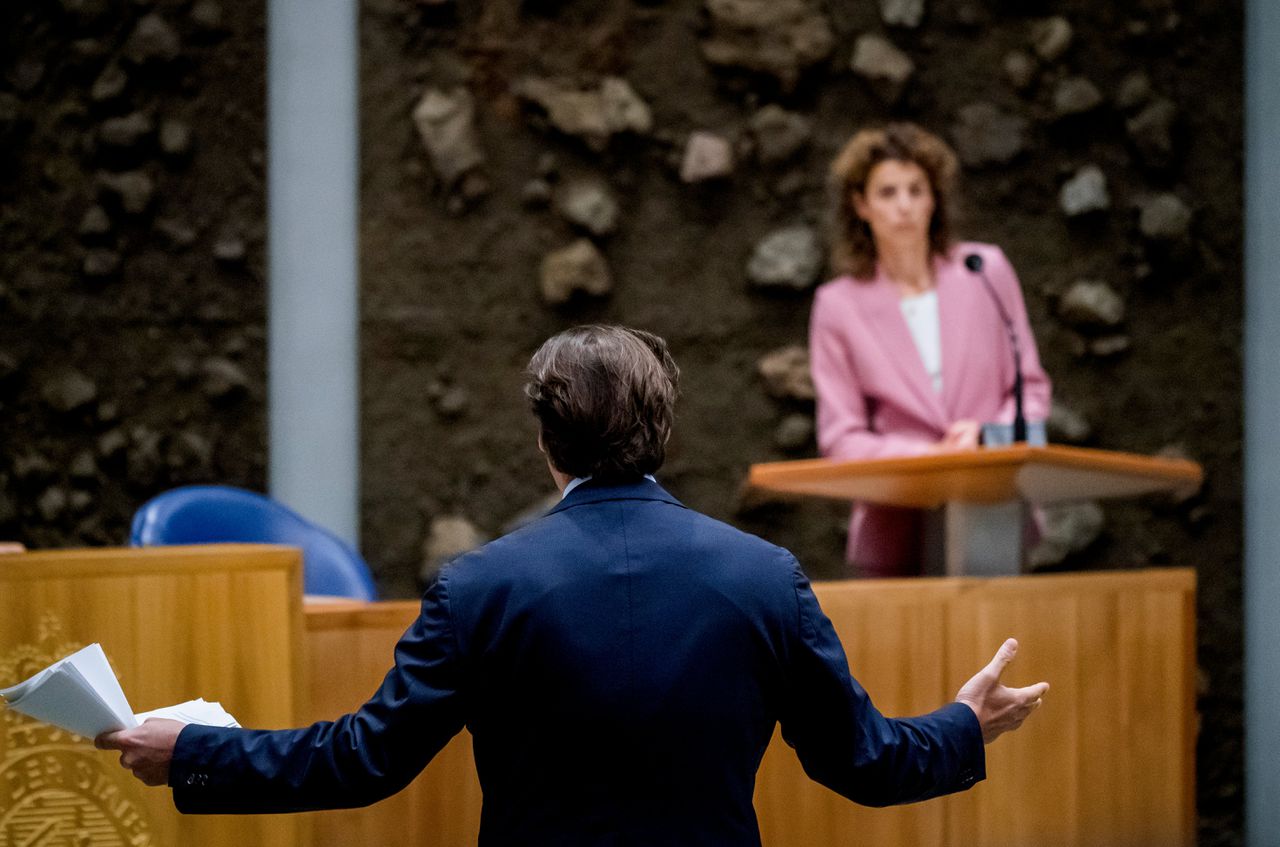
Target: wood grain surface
1035 474
221 622
1108 760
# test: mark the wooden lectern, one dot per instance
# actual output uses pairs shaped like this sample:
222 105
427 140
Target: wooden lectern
221 621
982 494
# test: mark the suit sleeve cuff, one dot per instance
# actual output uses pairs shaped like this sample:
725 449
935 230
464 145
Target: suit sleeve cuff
973 752
188 769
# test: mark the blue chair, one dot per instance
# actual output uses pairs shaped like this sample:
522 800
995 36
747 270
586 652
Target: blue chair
203 514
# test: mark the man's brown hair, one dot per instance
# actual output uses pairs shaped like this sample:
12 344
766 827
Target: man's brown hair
853 250
604 397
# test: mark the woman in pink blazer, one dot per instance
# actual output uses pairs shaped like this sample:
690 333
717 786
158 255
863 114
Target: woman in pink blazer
908 350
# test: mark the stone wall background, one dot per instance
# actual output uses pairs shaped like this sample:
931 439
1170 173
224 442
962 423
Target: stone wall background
527 166
531 165
131 270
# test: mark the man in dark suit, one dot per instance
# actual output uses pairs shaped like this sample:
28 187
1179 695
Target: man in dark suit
621 662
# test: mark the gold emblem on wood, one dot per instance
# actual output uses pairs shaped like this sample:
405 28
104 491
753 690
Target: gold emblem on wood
56 790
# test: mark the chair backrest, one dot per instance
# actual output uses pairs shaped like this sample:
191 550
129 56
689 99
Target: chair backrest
203 514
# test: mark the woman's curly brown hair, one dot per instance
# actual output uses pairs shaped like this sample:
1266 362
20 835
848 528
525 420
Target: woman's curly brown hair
853 250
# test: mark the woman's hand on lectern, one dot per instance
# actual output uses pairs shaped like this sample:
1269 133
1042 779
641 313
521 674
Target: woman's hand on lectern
962 435
998 707
146 749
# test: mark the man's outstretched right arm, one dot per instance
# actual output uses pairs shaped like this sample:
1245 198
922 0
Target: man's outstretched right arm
356 760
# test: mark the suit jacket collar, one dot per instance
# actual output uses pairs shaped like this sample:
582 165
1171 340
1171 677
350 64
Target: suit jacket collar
956 304
593 491
882 305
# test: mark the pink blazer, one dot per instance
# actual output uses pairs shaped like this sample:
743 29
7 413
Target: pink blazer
876 400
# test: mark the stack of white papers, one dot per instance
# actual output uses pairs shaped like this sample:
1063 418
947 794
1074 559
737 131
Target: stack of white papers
82 695
199 711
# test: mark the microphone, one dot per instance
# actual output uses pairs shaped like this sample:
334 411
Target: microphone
974 263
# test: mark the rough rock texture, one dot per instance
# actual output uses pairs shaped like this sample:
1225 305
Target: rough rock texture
789 258
906 13
1075 96
986 135
175 138
882 64
132 192
779 134
1151 132
1068 529
1051 37
1067 424
69 391
589 204
1084 193
794 432
595 114
781 38
103 196
1091 304
1134 91
446 124
1020 69
580 267
448 537
127 132
706 156
152 40
786 373
1164 218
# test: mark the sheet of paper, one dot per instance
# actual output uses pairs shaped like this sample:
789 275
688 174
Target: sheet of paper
14 693
198 711
63 700
79 693
92 664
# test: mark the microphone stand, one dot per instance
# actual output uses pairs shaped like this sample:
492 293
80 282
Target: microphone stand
974 263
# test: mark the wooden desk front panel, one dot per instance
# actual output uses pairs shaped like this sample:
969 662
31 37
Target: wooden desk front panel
349 650
176 623
1107 760
1110 757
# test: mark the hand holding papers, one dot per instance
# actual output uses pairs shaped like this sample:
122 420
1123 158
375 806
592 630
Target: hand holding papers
82 695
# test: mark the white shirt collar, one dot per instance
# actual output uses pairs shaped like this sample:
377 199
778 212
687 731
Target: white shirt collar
573 483
578 480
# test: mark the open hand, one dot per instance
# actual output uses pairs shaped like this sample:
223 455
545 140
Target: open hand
146 749
998 707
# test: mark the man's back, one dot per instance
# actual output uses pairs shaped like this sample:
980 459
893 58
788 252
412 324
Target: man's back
623 667
621 664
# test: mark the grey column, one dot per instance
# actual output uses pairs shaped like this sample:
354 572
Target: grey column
312 152
1262 423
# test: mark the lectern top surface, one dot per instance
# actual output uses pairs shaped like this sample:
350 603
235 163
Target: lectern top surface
1035 474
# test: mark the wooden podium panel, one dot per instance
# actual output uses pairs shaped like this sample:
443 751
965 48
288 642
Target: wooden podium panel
1108 760
348 651
220 622
1110 757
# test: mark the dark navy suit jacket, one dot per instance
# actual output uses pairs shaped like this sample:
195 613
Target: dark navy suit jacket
621 664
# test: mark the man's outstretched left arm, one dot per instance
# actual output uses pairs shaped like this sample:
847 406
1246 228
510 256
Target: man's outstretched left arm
844 743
